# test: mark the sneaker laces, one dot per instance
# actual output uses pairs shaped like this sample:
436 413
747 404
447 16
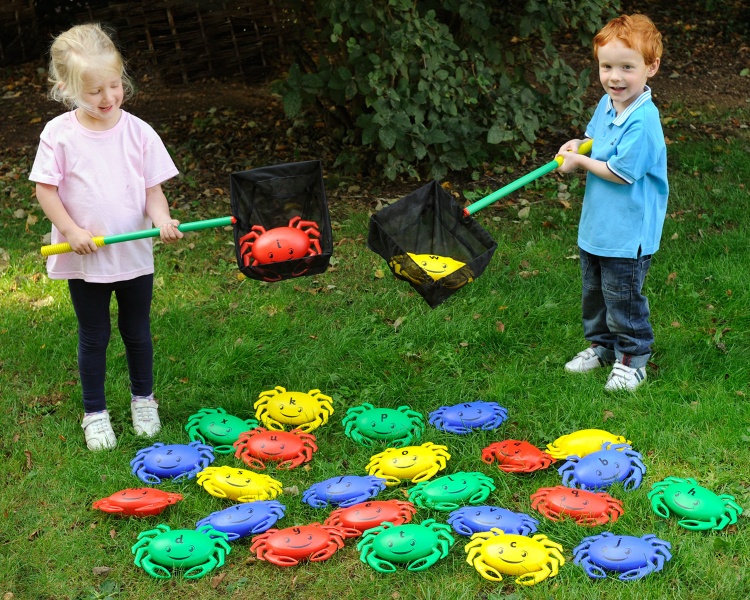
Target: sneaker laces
146 411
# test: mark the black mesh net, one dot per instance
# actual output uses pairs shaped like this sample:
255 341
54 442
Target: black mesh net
426 240
280 196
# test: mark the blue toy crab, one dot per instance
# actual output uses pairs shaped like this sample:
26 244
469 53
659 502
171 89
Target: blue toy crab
175 461
451 491
632 557
468 417
469 520
601 469
245 519
398 426
343 491
214 426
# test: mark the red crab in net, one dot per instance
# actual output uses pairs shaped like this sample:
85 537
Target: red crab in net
137 502
287 448
358 518
515 456
583 506
280 243
286 547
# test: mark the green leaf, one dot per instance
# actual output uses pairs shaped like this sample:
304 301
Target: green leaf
387 136
292 103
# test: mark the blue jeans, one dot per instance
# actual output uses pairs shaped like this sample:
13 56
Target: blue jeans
615 312
91 304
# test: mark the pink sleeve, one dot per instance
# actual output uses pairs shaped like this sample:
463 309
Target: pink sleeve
45 168
158 164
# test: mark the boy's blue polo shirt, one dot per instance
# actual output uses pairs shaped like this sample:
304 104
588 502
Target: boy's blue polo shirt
618 220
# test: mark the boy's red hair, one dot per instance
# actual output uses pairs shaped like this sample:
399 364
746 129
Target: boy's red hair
635 31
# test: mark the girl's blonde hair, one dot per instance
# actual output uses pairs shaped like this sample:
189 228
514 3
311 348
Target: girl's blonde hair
80 50
637 32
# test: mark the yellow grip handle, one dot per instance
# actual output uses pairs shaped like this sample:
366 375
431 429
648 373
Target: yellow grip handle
584 148
65 247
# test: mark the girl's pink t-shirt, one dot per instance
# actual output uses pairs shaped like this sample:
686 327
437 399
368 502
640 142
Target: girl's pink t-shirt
101 178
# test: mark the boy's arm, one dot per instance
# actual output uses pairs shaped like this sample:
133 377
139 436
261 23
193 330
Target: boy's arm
79 239
157 209
573 161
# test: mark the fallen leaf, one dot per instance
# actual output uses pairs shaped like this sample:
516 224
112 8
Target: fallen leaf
398 322
379 274
112 534
29 462
672 276
500 326
608 414
464 344
101 570
217 579
46 301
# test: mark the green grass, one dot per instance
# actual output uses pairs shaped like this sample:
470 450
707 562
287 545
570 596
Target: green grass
221 341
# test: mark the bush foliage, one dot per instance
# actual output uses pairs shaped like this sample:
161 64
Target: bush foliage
431 86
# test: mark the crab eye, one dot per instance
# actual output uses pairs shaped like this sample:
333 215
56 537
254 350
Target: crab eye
524 554
599 472
191 549
413 543
585 502
270 255
309 537
282 446
390 544
627 551
287 540
263 445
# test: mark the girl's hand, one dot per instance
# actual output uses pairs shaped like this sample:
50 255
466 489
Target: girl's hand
168 231
80 241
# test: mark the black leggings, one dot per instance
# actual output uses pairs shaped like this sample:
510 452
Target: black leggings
91 304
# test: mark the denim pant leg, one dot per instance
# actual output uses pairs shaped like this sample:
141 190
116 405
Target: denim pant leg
615 312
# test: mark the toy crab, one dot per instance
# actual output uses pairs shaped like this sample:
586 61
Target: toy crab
280 410
288 449
215 427
287 547
698 507
631 557
176 461
469 520
582 442
418 547
516 456
451 491
601 469
468 417
162 549
422 269
583 506
280 243
495 553
245 519
343 491
239 485
398 427
366 515
137 502
416 463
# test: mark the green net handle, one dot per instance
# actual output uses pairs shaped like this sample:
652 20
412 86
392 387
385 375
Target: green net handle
584 148
137 235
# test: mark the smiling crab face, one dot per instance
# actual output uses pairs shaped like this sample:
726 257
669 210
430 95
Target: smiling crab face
214 426
436 266
279 409
241 485
417 463
364 424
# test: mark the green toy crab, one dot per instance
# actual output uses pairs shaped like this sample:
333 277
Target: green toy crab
416 463
450 492
213 426
418 546
700 508
162 549
366 425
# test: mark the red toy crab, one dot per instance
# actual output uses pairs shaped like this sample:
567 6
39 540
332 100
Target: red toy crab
280 243
514 456
288 448
286 547
137 502
358 518
583 506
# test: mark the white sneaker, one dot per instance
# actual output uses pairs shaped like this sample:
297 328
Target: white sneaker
145 415
98 431
625 378
584 361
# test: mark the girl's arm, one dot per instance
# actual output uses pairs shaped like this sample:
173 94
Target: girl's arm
79 239
157 208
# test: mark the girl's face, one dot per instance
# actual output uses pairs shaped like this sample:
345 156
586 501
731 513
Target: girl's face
623 73
101 98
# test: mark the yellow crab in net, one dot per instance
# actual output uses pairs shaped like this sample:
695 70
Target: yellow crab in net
239 485
495 553
424 268
280 410
582 442
416 463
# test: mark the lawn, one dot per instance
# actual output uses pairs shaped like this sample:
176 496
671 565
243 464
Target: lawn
358 335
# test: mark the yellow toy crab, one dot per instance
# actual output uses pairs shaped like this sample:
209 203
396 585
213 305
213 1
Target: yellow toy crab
415 463
582 442
280 410
495 553
239 485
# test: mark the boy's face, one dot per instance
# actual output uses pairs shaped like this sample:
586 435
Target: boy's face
623 73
